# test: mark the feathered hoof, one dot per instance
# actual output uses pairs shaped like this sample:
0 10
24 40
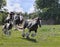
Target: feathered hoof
33 35
23 35
27 37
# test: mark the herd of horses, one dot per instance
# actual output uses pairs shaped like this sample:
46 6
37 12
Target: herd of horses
12 20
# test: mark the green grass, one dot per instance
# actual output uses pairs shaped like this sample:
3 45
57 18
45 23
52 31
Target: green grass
47 36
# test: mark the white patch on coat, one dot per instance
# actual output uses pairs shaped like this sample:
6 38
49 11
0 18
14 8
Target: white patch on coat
40 21
7 25
21 17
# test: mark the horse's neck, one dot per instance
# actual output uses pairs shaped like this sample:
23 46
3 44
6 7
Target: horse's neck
37 21
8 17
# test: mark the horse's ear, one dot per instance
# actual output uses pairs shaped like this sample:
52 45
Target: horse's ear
12 13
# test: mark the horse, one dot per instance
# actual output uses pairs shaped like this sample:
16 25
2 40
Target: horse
31 25
9 17
7 27
12 20
8 24
18 19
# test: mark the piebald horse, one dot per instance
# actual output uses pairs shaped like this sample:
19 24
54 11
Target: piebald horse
10 21
32 25
8 24
18 19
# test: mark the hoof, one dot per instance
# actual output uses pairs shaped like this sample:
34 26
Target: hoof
27 37
23 35
33 35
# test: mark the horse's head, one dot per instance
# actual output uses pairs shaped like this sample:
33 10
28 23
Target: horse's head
12 15
38 21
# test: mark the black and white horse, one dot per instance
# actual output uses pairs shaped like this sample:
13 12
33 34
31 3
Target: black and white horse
12 20
8 24
32 25
15 18
9 17
7 27
18 19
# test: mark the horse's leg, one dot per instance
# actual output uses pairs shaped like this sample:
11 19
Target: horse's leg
23 33
15 27
9 32
33 35
24 26
27 34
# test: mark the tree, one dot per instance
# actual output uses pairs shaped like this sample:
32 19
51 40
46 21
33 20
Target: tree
2 3
41 4
50 9
26 15
2 13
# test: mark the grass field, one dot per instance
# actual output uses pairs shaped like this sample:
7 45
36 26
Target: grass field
47 36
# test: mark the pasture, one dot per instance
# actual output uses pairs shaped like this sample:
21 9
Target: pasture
47 36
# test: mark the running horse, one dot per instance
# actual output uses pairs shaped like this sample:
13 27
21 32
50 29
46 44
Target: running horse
32 25
8 24
18 20
12 20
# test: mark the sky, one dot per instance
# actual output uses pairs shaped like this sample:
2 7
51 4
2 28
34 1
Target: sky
20 5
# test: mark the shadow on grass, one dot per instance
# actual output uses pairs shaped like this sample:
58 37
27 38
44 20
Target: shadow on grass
30 39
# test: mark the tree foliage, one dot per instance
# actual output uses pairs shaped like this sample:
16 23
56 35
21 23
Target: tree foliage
50 9
46 3
2 13
2 3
